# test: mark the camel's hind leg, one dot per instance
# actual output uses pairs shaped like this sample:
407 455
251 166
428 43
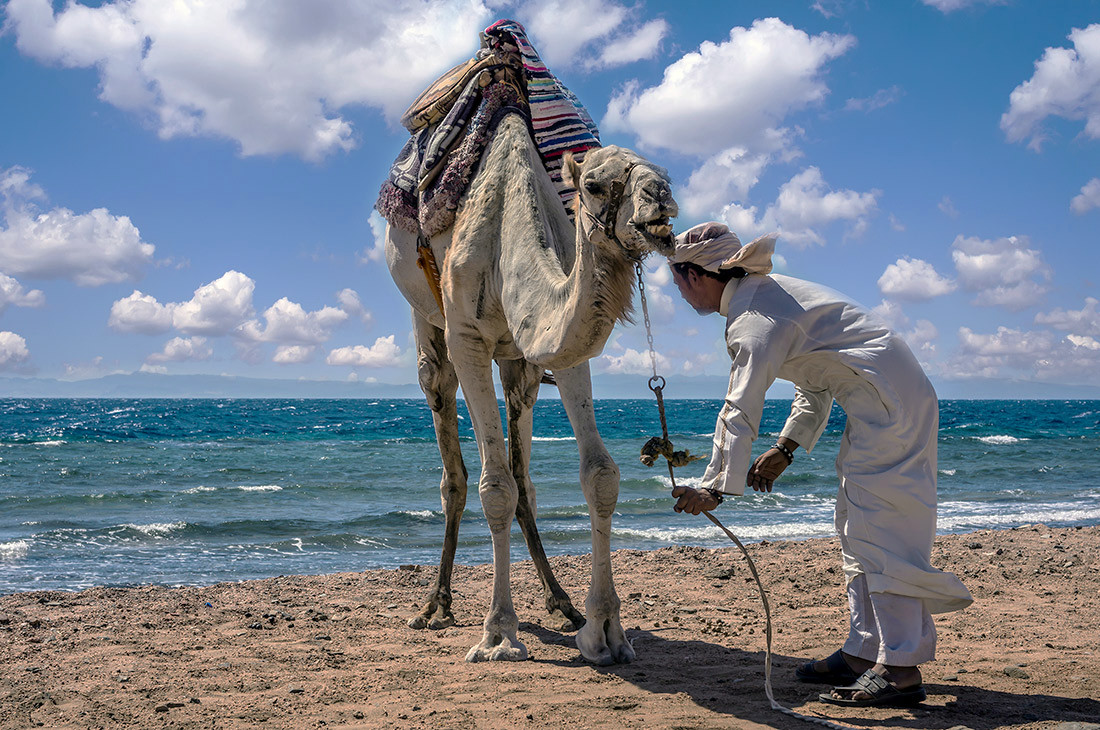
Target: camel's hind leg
602 639
439 383
520 380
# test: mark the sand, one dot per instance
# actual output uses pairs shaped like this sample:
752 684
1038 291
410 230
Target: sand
334 652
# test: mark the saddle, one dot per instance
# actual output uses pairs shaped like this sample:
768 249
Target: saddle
432 105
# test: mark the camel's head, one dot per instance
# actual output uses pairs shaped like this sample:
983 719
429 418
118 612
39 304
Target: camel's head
624 199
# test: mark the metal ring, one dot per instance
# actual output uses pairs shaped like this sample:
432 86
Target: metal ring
653 380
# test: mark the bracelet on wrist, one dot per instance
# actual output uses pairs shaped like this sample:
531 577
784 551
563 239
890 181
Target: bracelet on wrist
785 451
714 493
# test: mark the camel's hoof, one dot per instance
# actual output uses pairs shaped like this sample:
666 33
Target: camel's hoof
429 620
505 651
605 647
441 622
559 620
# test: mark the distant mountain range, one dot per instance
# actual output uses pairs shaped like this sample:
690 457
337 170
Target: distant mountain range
152 385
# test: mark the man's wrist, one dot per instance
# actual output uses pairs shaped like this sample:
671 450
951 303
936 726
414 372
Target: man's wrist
718 496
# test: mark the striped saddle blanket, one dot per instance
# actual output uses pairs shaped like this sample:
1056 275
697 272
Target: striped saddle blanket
453 121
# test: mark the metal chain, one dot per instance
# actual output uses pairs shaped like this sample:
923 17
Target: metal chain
645 316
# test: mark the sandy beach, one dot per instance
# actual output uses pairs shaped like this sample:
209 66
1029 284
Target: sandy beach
333 651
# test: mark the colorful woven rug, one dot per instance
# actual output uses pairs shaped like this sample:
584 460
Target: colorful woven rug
557 119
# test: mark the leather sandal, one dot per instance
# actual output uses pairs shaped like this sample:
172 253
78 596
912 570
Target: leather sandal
837 671
881 693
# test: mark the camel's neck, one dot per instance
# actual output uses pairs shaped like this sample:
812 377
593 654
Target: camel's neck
561 292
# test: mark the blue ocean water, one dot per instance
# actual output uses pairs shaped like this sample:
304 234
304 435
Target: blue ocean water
123 492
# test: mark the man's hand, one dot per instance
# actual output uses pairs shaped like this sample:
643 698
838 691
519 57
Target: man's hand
693 500
765 470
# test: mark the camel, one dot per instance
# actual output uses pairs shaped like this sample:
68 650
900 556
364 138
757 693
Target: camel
524 286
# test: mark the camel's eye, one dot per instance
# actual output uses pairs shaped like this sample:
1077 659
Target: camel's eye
593 187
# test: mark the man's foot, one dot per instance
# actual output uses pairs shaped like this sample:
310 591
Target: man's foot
836 669
881 686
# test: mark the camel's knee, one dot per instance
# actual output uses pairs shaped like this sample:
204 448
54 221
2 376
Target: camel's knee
600 481
437 380
453 494
499 497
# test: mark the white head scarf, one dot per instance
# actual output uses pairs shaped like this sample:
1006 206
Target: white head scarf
714 247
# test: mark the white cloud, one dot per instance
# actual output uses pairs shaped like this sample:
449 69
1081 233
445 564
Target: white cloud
376 252
878 100
1083 322
639 45
220 307
13 350
271 76
1004 272
382 353
224 307
947 207
631 362
217 308
805 204
179 349
913 279
1083 341
1088 199
1033 354
728 175
350 303
288 322
727 104
949 6
13 294
293 354
560 28
90 248
730 94
140 313
1066 84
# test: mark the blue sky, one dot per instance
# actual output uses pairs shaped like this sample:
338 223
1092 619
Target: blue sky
188 187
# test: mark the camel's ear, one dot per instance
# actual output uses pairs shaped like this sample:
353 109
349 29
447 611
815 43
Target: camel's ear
571 171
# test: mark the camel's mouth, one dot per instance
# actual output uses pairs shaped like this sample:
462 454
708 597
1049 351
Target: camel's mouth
658 232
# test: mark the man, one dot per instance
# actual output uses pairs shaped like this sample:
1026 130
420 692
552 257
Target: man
830 348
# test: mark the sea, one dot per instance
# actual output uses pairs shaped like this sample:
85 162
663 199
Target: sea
193 492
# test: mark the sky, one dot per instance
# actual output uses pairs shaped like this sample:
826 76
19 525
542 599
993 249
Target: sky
187 187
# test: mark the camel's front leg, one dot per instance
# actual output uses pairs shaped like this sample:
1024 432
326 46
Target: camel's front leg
498 496
520 380
602 639
439 383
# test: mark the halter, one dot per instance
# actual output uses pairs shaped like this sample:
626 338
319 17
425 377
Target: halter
611 213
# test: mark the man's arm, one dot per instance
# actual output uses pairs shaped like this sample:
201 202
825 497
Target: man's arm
758 345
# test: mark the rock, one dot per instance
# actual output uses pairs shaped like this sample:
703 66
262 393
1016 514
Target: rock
160 708
256 625
974 545
296 690
1017 672
4 619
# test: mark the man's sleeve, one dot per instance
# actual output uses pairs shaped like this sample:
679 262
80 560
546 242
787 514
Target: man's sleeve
759 346
809 413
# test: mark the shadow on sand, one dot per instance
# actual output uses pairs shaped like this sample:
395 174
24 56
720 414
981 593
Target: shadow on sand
730 682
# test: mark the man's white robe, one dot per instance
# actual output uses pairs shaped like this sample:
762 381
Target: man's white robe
830 348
